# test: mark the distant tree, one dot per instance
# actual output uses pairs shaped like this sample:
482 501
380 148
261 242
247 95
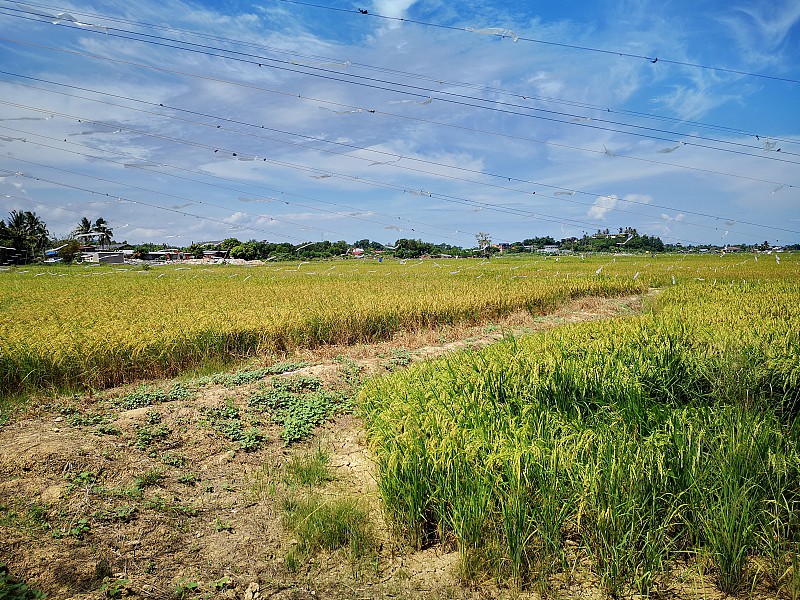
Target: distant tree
84 230
26 233
103 231
484 242
68 250
229 244
539 242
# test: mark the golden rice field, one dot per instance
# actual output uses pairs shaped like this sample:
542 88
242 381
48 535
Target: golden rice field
661 451
99 326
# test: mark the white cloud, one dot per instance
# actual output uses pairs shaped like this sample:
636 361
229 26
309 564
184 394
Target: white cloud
602 206
392 8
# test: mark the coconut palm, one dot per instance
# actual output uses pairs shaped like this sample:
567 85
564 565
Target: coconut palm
26 232
84 230
103 231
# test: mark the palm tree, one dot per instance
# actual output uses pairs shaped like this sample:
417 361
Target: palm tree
103 231
25 231
84 230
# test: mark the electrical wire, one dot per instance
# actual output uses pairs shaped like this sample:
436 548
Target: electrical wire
650 59
410 75
441 96
383 184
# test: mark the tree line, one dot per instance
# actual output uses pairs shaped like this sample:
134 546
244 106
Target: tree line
24 238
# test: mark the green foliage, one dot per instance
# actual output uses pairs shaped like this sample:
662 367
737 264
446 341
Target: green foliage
221 525
115 588
146 396
250 376
398 359
186 588
299 404
152 431
330 524
148 479
310 469
121 514
173 460
638 440
188 478
13 589
305 413
227 421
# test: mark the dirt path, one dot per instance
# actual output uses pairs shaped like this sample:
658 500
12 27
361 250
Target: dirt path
162 500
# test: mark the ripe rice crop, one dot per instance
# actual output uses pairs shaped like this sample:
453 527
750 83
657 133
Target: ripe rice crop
639 441
101 326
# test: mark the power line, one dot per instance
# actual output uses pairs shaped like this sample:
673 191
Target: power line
650 59
441 96
375 111
409 158
407 75
381 152
449 198
373 182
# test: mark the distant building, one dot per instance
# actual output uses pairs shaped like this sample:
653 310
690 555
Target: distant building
111 258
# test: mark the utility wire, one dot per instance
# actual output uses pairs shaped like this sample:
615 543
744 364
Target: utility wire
357 147
305 168
441 96
651 59
449 198
406 75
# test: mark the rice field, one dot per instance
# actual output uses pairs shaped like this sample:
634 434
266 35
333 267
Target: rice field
646 449
99 326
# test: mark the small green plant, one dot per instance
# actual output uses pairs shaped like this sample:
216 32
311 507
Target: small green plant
174 460
329 524
399 358
13 589
227 421
183 510
148 479
186 588
77 530
221 583
221 525
121 514
245 377
152 431
306 412
310 469
86 480
107 429
145 396
115 588
87 420
188 478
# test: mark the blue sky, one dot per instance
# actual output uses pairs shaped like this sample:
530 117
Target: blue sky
292 121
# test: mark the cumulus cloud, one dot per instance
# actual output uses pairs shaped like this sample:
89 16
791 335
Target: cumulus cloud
602 206
392 8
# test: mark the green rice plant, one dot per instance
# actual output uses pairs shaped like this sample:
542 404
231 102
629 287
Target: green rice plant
644 439
519 516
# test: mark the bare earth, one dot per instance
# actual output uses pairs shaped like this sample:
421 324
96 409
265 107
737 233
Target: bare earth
68 520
